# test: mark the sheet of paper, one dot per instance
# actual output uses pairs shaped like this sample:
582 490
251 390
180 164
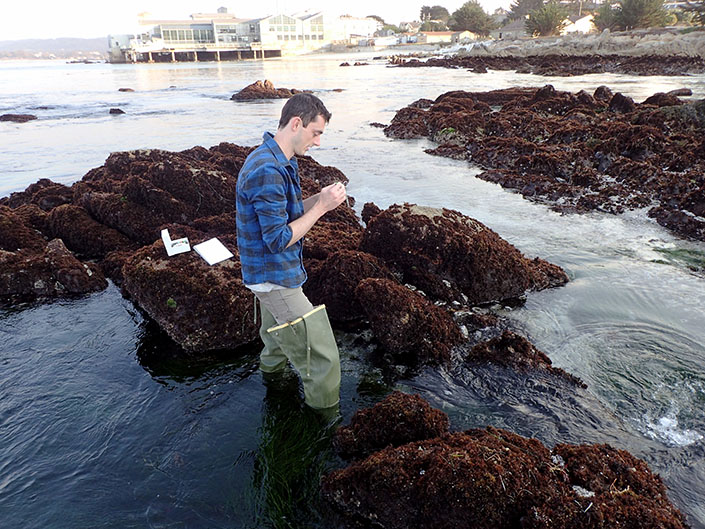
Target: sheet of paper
174 247
213 251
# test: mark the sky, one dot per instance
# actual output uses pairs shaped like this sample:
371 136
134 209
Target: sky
37 19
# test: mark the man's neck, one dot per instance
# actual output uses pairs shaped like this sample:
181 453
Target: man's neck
284 145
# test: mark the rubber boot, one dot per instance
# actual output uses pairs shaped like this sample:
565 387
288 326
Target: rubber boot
271 359
309 344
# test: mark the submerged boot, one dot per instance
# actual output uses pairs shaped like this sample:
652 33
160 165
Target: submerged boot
271 359
309 344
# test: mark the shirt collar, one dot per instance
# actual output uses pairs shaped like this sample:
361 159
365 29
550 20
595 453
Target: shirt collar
273 146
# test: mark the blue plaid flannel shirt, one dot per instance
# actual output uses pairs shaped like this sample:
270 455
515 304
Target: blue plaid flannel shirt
268 199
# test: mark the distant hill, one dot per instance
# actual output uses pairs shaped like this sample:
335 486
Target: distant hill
60 48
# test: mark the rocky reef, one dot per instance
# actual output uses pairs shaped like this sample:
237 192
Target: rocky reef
264 90
562 66
411 472
403 276
576 152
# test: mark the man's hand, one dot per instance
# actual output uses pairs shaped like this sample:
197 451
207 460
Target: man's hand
329 198
332 196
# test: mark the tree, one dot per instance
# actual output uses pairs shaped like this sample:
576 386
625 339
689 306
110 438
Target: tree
433 26
697 9
547 20
425 13
470 16
440 13
641 14
521 8
607 17
377 18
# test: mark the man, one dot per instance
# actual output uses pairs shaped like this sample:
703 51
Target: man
272 220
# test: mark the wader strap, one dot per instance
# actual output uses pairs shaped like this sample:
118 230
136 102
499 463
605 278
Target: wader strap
254 308
308 349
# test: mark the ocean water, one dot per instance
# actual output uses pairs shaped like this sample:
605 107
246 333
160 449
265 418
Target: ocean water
104 424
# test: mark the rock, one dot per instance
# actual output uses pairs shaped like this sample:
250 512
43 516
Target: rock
15 235
264 90
17 118
43 193
117 111
610 488
369 211
410 328
516 352
603 93
490 478
126 90
680 92
54 272
84 235
660 99
452 257
563 150
200 307
622 103
334 281
344 64
397 420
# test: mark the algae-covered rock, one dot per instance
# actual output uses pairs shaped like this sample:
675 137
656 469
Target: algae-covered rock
398 419
452 257
200 307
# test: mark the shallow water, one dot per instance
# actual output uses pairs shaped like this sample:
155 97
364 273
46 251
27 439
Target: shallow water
101 427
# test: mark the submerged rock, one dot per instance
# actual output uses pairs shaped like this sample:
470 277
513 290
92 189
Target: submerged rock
452 257
487 479
264 90
398 419
512 350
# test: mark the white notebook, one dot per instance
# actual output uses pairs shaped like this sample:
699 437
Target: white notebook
213 251
174 247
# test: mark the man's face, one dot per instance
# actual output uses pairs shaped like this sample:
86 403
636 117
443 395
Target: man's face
308 136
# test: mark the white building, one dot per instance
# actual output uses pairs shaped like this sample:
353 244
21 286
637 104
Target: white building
216 36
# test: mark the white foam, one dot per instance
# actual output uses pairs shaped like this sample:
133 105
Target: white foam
666 429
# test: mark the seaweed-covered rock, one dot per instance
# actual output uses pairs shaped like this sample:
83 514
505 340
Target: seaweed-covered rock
408 326
333 282
512 350
453 257
43 193
576 152
480 478
200 307
263 90
611 488
398 419
486 479
84 235
15 235
52 273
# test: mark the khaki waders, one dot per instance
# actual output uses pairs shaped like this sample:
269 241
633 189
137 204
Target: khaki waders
308 343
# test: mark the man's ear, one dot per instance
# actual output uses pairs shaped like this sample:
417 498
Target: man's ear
295 123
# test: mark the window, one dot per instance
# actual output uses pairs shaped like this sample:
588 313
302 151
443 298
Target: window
320 37
279 37
301 37
286 37
253 29
308 37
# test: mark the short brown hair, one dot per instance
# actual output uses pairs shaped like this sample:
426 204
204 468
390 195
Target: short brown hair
305 106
